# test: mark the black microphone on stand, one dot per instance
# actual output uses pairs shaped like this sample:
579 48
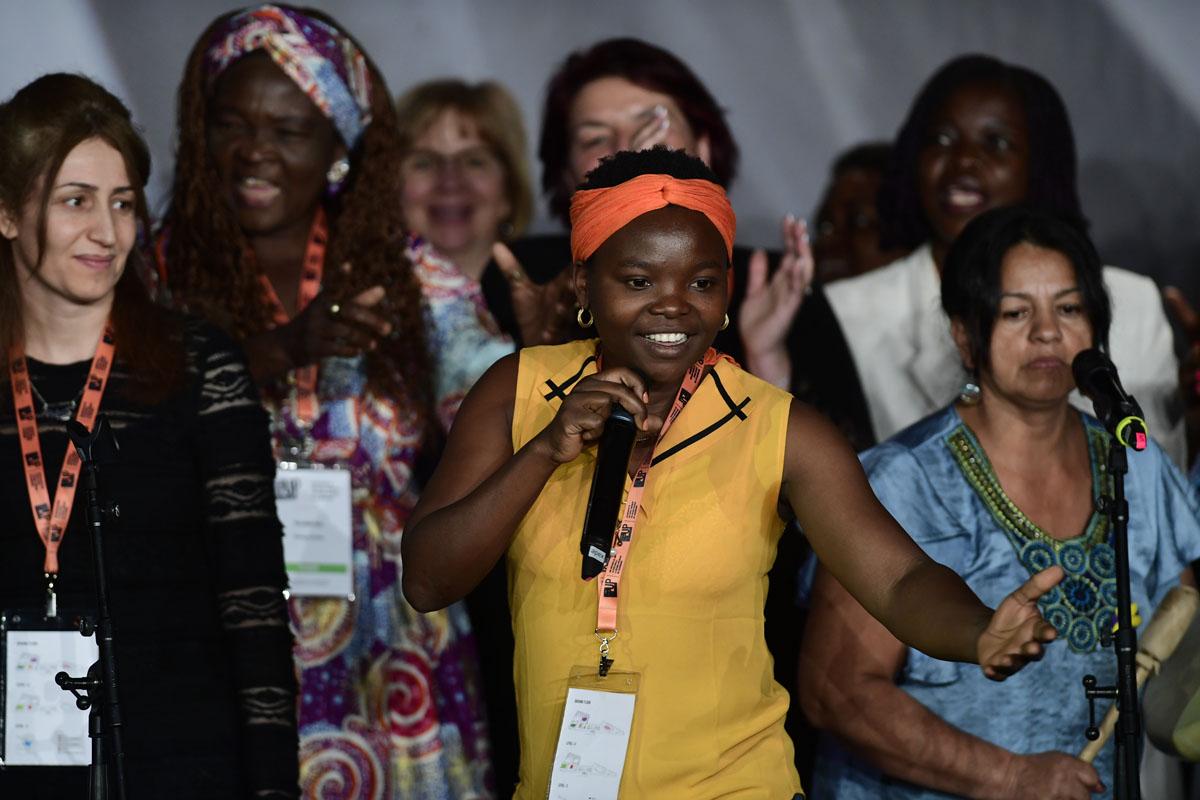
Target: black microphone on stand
608 484
1122 417
1096 377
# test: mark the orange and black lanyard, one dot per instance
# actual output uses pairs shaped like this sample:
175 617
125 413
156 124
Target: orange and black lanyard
51 520
304 378
607 588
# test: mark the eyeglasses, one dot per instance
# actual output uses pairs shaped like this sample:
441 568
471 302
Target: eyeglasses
478 162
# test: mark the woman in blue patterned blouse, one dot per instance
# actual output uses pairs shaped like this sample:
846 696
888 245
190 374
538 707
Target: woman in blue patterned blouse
1001 483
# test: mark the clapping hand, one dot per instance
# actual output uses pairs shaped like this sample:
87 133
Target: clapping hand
331 327
542 310
1017 631
771 304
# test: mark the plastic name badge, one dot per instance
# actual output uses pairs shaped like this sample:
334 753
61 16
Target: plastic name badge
318 543
41 724
594 737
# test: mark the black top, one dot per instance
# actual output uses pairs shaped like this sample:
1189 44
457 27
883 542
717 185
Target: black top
196 577
823 371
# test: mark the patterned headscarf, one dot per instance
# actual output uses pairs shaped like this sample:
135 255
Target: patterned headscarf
322 60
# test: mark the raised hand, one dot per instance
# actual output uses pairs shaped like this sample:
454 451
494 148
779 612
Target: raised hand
770 305
654 129
1050 775
543 311
1017 631
580 419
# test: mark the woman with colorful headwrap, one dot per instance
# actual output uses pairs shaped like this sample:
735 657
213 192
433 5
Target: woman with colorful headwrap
285 227
720 458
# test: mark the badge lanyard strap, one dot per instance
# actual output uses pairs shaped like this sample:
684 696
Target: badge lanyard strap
51 520
608 586
305 378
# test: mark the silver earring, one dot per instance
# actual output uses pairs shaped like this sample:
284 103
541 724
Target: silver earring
968 395
337 173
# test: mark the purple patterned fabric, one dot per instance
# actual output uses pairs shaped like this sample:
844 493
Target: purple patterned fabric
323 62
389 697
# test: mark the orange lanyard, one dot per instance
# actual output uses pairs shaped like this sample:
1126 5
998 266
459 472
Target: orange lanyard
304 378
51 521
608 587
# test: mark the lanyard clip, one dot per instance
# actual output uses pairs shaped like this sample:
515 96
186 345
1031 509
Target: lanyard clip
51 597
605 662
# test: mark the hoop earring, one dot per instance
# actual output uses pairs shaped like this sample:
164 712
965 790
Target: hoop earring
579 318
725 324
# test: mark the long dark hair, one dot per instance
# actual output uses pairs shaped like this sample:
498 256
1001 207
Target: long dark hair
1052 161
39 127
206 252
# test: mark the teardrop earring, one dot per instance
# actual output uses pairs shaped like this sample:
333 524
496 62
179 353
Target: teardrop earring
336 175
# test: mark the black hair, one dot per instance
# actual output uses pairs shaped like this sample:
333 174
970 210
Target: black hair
870 156
971 276
658 160
1052 161
646 66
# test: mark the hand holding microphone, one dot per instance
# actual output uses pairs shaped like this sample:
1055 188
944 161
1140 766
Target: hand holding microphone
608 485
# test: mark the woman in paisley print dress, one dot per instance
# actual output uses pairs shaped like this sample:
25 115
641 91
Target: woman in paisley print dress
285 228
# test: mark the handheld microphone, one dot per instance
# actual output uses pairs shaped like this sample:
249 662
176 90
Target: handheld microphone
608 483
1096 377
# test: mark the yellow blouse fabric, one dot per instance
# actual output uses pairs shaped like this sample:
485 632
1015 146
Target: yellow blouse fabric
709 716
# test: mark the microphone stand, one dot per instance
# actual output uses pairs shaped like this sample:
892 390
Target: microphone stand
97 692
1126 779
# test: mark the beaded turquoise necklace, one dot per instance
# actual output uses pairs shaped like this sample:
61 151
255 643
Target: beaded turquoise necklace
1084 604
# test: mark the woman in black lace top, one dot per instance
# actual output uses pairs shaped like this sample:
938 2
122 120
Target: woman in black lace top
195 560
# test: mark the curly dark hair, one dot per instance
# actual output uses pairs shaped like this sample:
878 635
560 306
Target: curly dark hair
973 272
1052 161
206 252
39 127
658 160
644 65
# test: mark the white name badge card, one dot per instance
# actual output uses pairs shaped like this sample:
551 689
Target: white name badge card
594 737
318 541
42 725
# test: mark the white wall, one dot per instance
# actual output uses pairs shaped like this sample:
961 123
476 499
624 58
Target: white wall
801 80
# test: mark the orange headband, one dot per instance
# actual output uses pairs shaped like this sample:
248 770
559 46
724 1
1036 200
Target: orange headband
597 214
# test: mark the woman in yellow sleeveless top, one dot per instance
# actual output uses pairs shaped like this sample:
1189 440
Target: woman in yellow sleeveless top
719 458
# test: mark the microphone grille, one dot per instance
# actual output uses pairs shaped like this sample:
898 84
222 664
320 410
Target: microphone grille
1086 363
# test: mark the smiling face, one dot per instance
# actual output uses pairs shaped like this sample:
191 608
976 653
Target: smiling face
454 190
611 114
91 225
975 157
271 147
657 290
1042 324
